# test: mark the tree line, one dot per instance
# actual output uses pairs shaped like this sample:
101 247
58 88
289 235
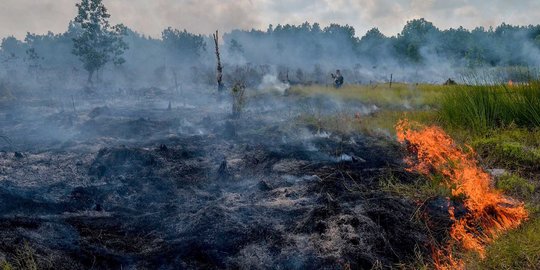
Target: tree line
91 43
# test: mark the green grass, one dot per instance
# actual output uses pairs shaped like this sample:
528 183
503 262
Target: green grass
501 123
346 122
480 108
516 186
403 96
509 154
518 249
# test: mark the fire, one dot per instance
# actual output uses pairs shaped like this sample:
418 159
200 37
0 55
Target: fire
510 83
489 212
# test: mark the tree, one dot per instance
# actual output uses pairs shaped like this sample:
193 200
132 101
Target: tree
98 43
235 48
185 46
12 48
372 43
34 60
415 34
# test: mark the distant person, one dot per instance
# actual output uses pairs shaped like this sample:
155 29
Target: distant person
338 79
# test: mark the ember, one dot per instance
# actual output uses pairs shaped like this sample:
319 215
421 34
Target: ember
489 212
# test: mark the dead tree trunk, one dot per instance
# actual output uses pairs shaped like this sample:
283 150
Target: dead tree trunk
219 66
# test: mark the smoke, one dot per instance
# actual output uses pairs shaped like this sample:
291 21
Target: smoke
180 69
158 124
271 83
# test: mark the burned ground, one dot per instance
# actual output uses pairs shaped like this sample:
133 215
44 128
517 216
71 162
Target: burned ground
144 187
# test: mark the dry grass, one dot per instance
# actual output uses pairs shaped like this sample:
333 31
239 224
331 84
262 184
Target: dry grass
400 95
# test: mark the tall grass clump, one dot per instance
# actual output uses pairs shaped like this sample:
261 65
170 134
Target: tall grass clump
489 106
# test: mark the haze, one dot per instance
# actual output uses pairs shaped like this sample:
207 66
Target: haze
17 17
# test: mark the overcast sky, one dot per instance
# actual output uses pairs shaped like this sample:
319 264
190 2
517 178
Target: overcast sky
204 16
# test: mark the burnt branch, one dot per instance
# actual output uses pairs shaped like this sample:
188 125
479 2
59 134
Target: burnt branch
219 66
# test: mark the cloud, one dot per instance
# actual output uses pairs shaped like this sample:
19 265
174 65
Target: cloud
205 16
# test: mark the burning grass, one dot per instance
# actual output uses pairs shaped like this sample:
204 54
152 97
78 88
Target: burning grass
488 212
510 145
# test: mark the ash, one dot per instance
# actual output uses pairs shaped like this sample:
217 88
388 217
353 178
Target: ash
133 184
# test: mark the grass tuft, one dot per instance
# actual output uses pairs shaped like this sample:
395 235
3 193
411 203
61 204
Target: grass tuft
519 249
510 154
481 108
515 185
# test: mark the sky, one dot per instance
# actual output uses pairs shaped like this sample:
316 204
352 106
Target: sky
150 17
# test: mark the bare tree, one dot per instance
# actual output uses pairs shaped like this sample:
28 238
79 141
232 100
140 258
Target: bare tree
219 66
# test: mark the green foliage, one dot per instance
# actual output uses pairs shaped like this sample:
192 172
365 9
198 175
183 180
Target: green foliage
515 185
372 43
506 45
98 43
480 108
12 47
33 59
51 50
518 249
511 154
235 48
185 45
414 35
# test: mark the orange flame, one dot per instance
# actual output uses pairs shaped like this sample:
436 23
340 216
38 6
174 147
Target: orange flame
489 212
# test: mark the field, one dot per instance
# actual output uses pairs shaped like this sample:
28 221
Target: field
222 143
152 178
500 122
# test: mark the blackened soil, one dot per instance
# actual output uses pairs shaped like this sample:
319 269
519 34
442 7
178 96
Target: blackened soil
225 195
